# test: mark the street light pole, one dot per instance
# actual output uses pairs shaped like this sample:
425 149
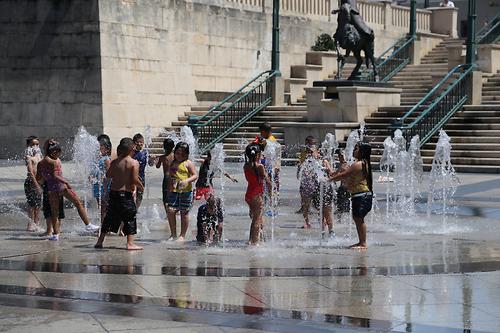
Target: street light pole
413 18
470 57
275 57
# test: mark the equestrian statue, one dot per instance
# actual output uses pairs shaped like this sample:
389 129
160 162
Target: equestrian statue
354 36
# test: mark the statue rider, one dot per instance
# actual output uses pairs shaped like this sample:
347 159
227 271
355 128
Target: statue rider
356 18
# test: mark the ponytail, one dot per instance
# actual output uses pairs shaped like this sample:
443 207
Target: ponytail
251 152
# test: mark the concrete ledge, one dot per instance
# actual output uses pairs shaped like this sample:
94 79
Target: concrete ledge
444 20
296 132
488 57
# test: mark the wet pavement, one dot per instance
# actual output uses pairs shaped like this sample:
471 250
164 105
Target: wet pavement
420 273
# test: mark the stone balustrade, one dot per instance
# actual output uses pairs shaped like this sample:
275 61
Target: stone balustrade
381 13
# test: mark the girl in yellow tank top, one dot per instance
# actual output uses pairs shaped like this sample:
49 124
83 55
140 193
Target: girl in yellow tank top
180 196
358 179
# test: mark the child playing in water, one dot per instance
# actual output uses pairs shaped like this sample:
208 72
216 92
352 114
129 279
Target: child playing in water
142 156
342 203
124 175
165 160
180 194
273 170
310 141
47 214
209 222
32 157
359 181
58 187
256 175
204 184
315 190
100 192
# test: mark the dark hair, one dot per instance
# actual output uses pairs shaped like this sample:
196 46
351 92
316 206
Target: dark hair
29 139
125 147
182 145
310 140
54 148
47 144
251 152
168 145
137 137
103 136
365 151
265 127
106 143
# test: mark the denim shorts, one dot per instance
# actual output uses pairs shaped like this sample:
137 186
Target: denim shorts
182 201
361 204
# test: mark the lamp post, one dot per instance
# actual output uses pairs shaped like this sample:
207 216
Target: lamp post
470 57
426 3
275 57
413 18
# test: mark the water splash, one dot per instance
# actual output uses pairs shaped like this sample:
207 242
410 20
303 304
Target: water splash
85 155
188 137
443 180
354 137
328 148
272 153
218 168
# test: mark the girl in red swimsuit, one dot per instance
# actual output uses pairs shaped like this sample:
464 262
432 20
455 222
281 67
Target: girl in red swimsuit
255 175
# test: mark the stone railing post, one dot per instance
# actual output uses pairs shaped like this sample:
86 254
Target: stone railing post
444 20
387 14
267 6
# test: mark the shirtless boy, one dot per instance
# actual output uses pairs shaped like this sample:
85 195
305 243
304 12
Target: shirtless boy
124 176
33 156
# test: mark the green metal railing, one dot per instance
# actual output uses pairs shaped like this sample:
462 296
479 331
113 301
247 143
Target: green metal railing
438 106
393 60
490 33
231 113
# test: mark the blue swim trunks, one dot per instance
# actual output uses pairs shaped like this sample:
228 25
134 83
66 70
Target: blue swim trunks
180 201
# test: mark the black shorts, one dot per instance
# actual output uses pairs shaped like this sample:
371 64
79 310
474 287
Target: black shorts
47 212
33 198
121 208
164 190
342 203
361 204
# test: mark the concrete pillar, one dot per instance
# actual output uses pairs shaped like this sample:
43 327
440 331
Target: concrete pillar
475 88
456 55
444 20
387 13
416 52
488 57
278 91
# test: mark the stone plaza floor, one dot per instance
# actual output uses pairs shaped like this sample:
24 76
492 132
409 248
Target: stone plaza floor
419 274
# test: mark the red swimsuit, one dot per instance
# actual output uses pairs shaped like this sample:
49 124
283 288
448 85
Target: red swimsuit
255 184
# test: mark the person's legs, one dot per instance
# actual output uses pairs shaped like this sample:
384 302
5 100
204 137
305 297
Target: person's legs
131 246
54 201
327 217
306 204
256 207
361 229
71 196
172 223
184 224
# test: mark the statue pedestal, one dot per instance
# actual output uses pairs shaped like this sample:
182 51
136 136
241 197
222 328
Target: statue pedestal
348 101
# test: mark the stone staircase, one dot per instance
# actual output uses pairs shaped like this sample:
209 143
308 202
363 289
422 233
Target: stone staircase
474 132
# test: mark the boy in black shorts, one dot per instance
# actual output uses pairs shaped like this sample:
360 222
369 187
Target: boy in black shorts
123 174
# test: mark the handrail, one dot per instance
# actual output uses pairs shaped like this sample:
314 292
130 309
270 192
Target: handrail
491 33
440 109
226 100
211 129
391 65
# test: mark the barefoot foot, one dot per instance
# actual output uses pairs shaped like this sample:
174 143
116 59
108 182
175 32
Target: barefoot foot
133 247
98 246
180 239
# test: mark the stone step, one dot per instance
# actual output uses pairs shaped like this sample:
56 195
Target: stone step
457 119
450 132
379 139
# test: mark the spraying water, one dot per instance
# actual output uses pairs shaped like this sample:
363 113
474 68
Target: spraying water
272 153
443 180
85 155
188 137
354 137
217 167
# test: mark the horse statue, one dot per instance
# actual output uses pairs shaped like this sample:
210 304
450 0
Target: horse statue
354 36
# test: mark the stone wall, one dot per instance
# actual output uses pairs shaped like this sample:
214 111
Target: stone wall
118 65
157 53
49 70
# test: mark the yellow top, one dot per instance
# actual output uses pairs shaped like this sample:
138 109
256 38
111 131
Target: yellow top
178 173
357 183
271 138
